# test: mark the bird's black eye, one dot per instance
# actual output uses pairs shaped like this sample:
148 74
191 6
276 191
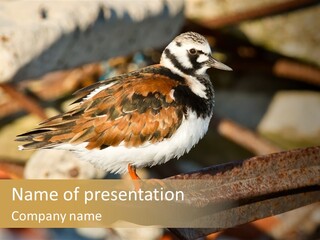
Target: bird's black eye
192 51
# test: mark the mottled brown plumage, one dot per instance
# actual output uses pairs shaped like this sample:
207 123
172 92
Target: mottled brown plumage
133 111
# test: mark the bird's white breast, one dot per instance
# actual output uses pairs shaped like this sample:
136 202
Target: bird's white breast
115 159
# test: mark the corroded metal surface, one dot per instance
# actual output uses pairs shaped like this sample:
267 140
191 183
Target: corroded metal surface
260 175
255 188
249 212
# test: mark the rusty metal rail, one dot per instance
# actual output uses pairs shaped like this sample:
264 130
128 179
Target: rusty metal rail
245 137
265 11
25 102
297 71
255 188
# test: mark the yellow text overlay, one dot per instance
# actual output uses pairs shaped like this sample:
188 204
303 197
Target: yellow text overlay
104 203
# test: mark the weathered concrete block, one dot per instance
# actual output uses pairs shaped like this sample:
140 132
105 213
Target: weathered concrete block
295 34
41 36
293 119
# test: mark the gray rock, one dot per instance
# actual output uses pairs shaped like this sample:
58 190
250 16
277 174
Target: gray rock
293 119
41 36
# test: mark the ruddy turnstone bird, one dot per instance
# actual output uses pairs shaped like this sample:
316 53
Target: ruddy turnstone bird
142 118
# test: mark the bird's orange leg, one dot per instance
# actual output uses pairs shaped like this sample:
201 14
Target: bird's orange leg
133 174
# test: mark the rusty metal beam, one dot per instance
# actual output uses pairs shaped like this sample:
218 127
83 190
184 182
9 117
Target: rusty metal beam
297 71
255 188
59 83
9 170
264 11
245 137
25 102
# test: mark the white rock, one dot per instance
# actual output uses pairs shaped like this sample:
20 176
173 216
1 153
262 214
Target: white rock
97 233
41 36
141 233
58 164
293 119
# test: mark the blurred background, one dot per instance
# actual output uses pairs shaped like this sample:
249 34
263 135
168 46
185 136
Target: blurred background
270 102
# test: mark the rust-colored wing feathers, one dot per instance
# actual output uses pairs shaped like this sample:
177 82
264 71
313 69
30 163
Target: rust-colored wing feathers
132 111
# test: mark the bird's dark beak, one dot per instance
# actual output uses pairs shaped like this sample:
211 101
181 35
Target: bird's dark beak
219 65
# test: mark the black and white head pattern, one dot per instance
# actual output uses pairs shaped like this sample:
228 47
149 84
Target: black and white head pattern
189 53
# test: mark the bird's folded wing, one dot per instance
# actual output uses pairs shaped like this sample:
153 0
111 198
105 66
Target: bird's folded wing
132 110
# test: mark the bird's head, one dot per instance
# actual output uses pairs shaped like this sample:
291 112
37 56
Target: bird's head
190 53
